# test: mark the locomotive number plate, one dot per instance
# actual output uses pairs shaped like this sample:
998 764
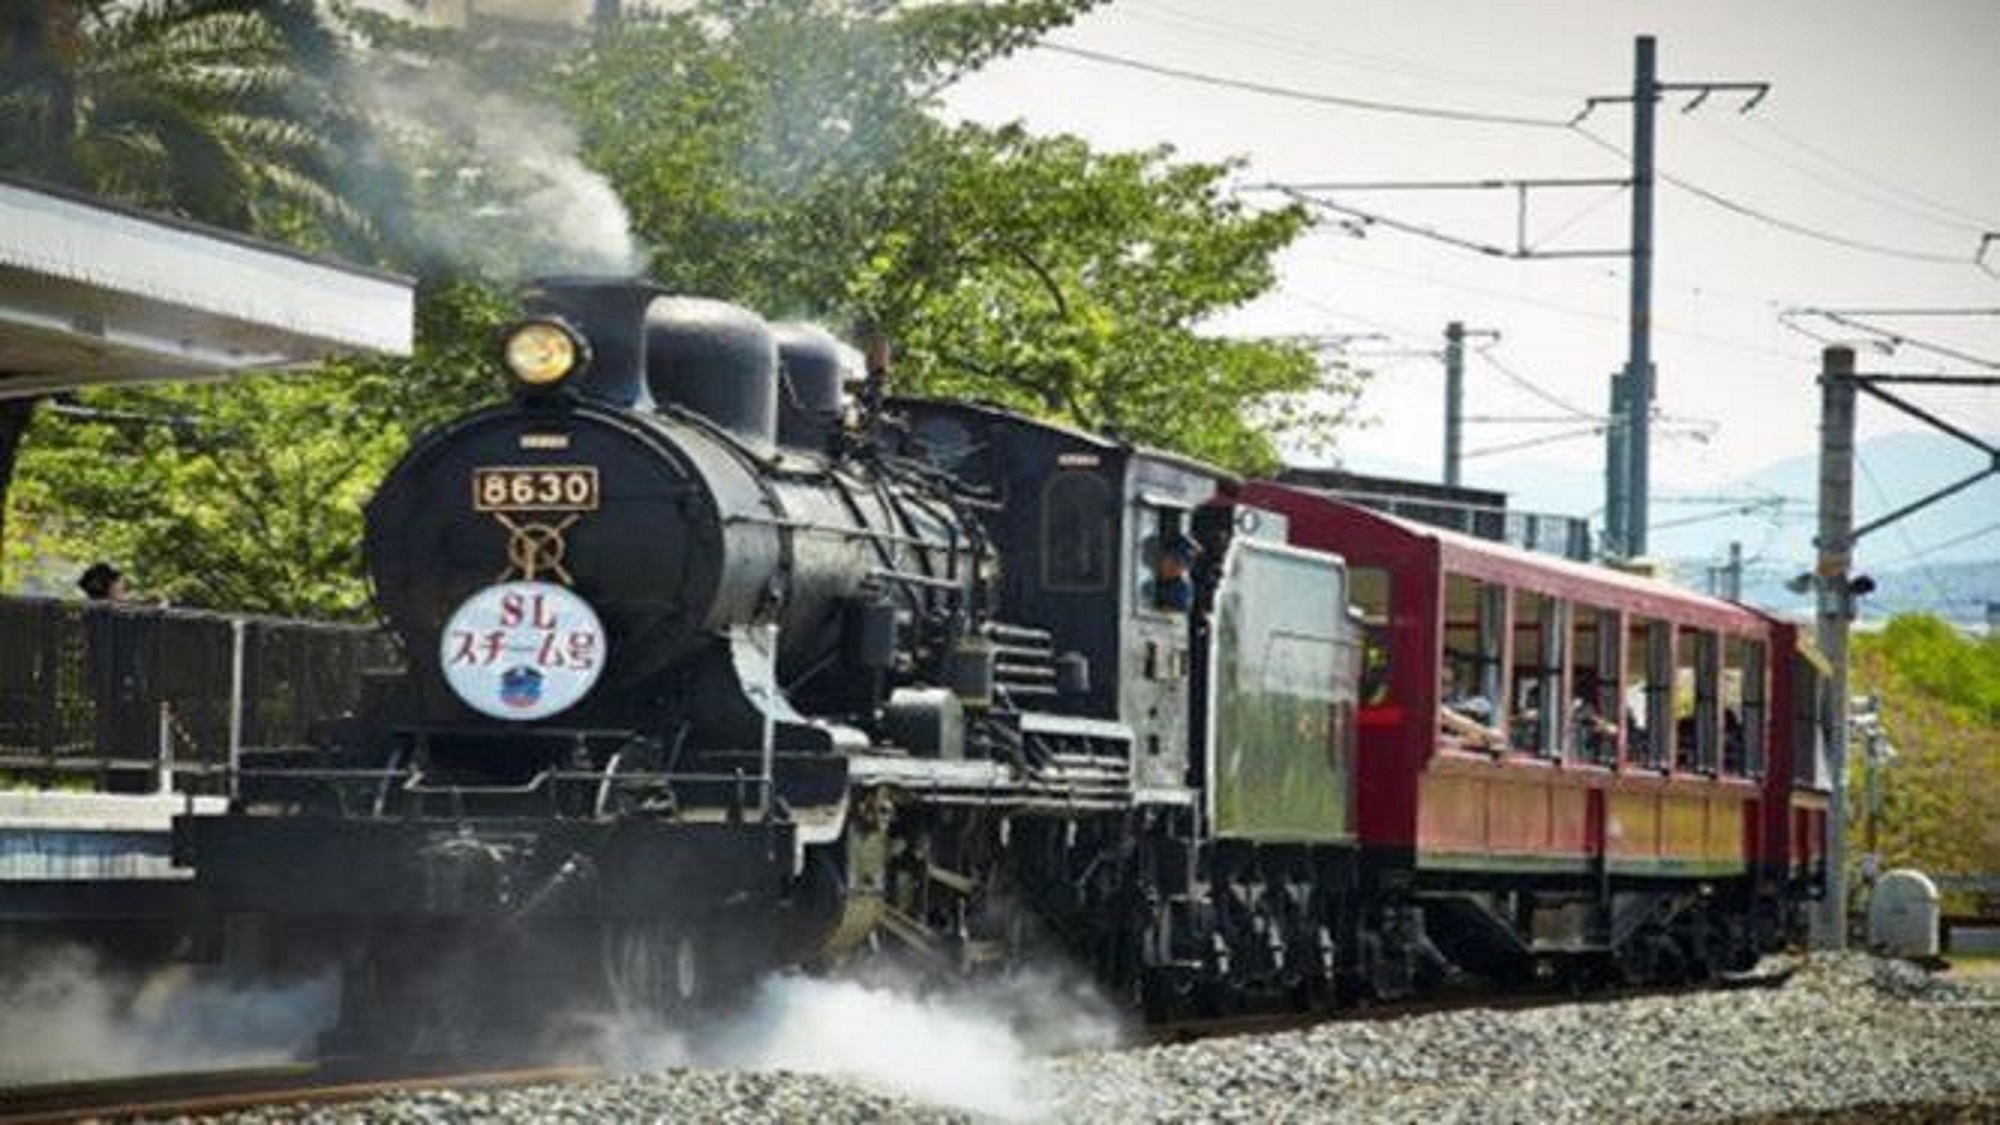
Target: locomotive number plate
534 488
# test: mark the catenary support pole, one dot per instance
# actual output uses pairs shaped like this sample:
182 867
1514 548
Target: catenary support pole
1639 351
1835 544
1454 401
1615 464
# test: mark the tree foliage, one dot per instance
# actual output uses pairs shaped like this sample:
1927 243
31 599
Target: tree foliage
1940 701
248 495
784 154
215 110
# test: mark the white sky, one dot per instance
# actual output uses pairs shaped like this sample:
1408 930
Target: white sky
1905 97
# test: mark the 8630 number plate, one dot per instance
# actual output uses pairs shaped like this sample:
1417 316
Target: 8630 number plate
534 488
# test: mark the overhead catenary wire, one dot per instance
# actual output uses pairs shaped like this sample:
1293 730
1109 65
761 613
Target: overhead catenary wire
1747 509
1860 172
1818 179
1557 307
1320 51
1801 229
1902 529
1849 319
1572 125
1530 443
1292 93
1530 386
1946 544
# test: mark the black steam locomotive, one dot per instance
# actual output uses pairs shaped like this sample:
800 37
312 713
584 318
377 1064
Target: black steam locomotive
713 668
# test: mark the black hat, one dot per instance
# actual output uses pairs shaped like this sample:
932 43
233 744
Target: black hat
97 580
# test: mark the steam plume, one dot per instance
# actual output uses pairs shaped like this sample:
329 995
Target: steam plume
502 188
971 1048
64 1016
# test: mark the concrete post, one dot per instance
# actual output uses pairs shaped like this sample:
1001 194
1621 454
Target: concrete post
1454 402
1639 364
1835 544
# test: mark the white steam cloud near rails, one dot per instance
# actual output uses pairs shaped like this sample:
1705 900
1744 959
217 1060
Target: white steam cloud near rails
66 1016
970 1047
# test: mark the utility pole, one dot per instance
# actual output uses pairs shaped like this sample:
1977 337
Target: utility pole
1454 400
1627 480
1726 581
1455 335
1616 462
1840 387
1836 613
1639 335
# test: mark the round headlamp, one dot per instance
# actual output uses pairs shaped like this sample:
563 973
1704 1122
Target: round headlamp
541 353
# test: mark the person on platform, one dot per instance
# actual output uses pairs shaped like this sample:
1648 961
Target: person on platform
124 711
102 582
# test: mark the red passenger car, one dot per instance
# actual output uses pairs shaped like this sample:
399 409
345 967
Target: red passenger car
1563 758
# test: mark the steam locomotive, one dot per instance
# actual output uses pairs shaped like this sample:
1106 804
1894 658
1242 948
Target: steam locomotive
713 666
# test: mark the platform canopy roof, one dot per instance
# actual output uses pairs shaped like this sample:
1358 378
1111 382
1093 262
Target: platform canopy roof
95 294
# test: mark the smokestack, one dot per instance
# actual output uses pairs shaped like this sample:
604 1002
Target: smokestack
813 369
610 312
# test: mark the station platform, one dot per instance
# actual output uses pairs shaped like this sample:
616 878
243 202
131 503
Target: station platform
91 856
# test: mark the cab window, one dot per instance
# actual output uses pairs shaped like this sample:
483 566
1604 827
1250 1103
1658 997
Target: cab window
1165 566
1076 532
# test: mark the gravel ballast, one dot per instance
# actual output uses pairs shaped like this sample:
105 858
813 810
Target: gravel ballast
1844 1032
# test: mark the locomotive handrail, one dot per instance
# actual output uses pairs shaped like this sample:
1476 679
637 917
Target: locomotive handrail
532 785
809 527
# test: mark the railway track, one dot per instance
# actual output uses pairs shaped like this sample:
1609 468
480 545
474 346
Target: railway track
1271 1023
202 1093
211 1092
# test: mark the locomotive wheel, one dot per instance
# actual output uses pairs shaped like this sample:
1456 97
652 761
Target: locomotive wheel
445 1005
650 968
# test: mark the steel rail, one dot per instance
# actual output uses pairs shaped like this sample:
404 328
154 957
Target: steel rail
207 1092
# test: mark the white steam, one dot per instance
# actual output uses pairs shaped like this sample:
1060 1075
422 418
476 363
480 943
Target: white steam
503 188
970 1048
65 1016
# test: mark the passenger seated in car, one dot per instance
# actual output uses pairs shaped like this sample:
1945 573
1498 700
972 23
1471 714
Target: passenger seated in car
1463 716
1594 734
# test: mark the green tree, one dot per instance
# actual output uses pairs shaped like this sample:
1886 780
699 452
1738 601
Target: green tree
248 495
215 110
1940 701
785 154
1074 284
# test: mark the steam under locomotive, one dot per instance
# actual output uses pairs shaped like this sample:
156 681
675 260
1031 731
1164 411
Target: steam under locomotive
711 670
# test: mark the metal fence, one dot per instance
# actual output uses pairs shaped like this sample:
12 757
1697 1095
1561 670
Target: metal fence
137 695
